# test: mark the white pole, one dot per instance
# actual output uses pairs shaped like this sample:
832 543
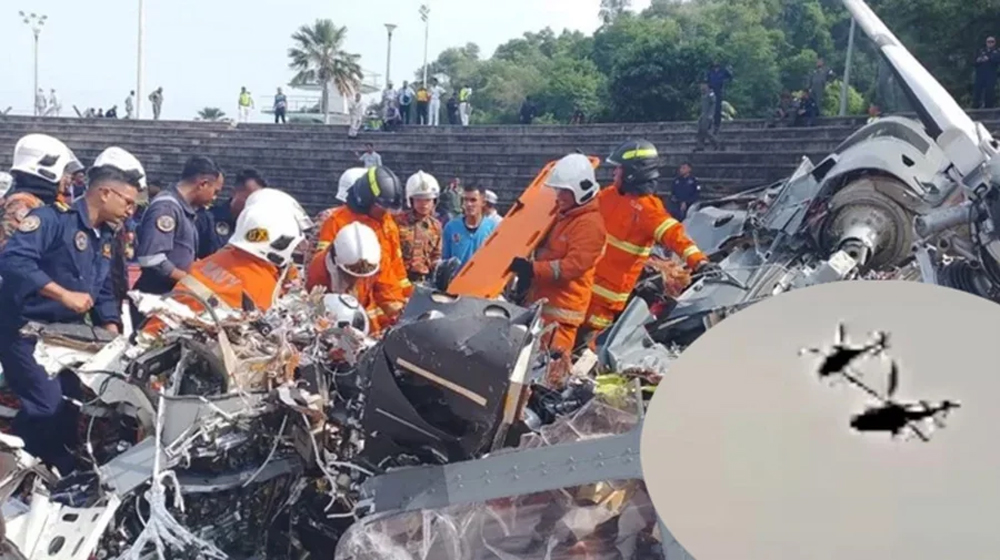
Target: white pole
427 34
847 69
36 74
138 73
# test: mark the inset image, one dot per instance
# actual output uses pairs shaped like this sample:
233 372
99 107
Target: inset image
848 420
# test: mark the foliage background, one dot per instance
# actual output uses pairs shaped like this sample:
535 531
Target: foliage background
646 66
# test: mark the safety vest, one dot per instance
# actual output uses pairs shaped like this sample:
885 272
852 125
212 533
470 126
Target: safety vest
463 95
423 96
245 99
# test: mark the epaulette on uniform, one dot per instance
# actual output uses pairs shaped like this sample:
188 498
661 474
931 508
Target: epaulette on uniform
61 206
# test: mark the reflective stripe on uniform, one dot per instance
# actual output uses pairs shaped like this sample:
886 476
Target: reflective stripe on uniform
630 248
599 322
614 297
666 225
556 269
562 314
405 283
644 152
322 245
199 289
691 251
152 260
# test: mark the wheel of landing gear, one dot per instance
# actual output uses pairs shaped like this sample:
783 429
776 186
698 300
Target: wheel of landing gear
861 204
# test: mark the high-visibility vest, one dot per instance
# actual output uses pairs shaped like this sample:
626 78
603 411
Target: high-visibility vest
423 96
463 95
245 99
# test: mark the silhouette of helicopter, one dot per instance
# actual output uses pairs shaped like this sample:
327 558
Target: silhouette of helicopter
841 355
895 417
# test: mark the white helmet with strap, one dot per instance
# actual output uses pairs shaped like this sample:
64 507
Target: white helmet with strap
422 185
356 250
270 227
125 162
574 173
45 157
348 178
346 311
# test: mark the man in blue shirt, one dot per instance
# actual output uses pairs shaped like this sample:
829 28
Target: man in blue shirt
684 192
57 269
464 235
215 224
717 78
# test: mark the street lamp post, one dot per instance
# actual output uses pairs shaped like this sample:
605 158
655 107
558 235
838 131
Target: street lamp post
425 14
390 27
138 73
35 22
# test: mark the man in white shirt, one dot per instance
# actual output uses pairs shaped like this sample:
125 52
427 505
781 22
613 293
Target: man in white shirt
388 96
40 103
357 112
370 158
54 106
130 105
437 93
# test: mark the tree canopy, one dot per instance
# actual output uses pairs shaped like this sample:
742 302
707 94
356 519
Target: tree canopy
646 66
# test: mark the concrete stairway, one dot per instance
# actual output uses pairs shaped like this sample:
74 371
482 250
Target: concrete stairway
306 160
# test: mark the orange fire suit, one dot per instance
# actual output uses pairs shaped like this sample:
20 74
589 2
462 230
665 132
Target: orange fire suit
363 289
392 284
227 277
634 224
563 271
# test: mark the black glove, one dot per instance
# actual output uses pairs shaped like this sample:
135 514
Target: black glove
708 268
525 272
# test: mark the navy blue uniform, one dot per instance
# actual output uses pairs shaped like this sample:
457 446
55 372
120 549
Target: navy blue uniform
683 193
167 240
52 244
984 88
717 78
215 225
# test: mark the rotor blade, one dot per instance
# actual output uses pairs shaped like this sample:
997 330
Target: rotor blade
917 431
840 335
860 385
893 380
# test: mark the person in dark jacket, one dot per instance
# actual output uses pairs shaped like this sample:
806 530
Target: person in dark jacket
684 192
986 64
453 110
528 111
718 76
808 110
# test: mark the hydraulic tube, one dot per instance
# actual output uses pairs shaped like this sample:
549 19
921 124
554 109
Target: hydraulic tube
943 219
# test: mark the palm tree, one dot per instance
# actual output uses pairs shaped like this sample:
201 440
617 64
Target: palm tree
319 57
211 114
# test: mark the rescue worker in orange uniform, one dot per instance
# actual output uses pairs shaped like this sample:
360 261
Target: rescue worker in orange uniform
562 271
249 271
419 228
347 179
42 170
370 201
349 267
635 219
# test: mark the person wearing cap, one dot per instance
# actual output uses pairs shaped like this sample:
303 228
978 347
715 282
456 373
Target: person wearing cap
419 229
371 201
491 213
43 168
168 236
57 269
635 220
562 270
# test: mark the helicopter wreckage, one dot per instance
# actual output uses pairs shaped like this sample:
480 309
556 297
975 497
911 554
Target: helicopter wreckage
285 434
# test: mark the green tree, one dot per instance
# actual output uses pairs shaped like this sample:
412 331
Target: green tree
212 114
611 9
319 57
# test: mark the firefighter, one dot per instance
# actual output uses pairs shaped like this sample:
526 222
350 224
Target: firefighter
635 220
370 201
43 168
248 273
350 267
419 228
562 271
56 269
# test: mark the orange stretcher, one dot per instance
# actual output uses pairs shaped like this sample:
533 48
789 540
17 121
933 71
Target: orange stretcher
522 229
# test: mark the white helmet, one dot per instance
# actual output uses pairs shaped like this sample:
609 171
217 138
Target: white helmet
422 185
269 228
574 173
491 198
356 250
124 162
6 180
348 178
45 157
346 311
276 198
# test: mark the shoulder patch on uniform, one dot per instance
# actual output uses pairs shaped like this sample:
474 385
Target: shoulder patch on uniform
61 206
80 241
106 250
222 228
166 223
29 224
258 235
